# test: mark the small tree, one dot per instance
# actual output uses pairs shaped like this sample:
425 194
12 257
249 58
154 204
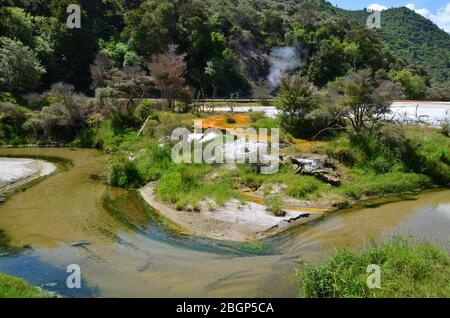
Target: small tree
168 72
365 101
131 82
100 70
296 100
20 69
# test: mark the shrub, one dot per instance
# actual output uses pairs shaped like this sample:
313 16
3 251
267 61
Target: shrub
144 110
123 173
85 138
255 116
274 205
230 120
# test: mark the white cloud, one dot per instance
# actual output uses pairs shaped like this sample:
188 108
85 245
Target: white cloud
376 7
441 18
423 11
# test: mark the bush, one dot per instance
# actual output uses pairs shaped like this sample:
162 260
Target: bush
407 271
85 139
274 205
123 173
255 116
144 110
13 287
230 120
267 123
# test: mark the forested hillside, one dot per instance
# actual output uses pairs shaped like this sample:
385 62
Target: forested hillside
229 46
414 38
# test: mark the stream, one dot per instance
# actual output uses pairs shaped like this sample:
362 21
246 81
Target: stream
125 250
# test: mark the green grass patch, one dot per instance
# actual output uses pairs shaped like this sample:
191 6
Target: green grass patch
407 270
383 184
189 184
12 287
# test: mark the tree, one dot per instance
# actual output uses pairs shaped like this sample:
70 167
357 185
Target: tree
297 99
15 23
168 71
439 92
365 101
131 82
100 70
413 84
20 69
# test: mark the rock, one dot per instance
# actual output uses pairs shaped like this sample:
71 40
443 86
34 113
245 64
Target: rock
80 243
190 208
27 246
319 166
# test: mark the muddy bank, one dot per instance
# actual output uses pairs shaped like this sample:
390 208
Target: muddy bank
17 172
232 222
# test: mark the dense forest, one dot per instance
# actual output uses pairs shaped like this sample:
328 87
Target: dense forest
228 45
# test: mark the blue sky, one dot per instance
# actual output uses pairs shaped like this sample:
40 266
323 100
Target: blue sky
437 11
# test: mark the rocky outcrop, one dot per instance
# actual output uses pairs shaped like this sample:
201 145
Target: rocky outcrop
319 166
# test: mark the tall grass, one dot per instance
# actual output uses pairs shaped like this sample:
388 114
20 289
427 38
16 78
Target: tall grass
12 287
407 270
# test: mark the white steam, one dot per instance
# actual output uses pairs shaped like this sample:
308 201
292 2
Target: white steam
283 59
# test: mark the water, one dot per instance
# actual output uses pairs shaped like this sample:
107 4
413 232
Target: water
430 113
145 259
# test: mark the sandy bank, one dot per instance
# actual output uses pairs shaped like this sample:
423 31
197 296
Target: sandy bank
233 221
16 172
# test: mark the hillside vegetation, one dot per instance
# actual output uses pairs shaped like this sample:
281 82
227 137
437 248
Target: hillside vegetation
229 46
413 38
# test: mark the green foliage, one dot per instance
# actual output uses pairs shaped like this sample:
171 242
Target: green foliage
124 173
187 185
15 23
259 115
364 99
413 38
274 205
230 120
364 184
12 287
296 100
406 271
144 110
414 85
116 51
267 123
16 60
225 42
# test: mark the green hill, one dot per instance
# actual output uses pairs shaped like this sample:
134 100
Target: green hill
413 38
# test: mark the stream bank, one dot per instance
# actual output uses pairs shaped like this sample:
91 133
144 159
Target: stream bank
149 260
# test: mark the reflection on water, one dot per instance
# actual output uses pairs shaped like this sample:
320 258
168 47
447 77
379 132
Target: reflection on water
422 219
131 253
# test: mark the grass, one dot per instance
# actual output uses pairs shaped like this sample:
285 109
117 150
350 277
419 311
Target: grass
367 184
185 185
12 287
274 205
403 160
407 270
